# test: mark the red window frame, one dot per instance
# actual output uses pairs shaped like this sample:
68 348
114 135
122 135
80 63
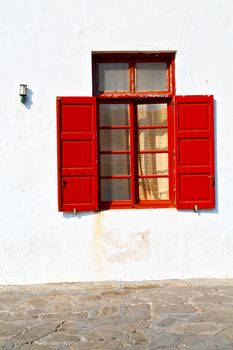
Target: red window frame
190 144
133 153
132 59
133 98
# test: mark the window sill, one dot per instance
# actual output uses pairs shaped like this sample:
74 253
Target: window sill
148 94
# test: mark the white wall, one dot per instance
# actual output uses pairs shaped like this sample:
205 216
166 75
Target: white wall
48 44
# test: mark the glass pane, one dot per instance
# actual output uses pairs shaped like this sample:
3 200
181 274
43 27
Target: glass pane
152 139
113 77
114 139
151 76
115 189
114 114
114 164
153 164
152 114
153 189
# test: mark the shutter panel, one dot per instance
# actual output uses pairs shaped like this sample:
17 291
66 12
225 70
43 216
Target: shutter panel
77 154
195 182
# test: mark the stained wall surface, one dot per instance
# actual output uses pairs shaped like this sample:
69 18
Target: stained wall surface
48 45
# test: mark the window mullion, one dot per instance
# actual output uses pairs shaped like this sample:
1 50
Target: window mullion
132 76
171 152
132 156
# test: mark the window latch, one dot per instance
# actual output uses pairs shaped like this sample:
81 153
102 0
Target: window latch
63 183
213 180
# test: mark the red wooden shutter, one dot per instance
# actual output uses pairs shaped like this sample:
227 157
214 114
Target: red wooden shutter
195 185
77 154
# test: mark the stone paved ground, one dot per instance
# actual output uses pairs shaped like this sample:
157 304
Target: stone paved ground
194 314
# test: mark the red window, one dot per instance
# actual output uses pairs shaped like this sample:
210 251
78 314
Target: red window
135 144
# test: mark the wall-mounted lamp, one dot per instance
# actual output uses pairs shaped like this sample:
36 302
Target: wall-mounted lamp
22 92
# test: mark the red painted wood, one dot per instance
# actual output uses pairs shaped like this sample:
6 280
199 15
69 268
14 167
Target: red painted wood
136 95
77 154
141 205
133 153
78 192
171 152
194 152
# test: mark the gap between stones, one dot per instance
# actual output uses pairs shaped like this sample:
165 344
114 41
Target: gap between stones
32 342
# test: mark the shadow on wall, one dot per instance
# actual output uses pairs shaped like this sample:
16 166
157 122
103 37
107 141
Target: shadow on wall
215 157
28 100
78 215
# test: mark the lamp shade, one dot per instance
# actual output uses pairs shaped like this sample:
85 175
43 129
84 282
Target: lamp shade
22 90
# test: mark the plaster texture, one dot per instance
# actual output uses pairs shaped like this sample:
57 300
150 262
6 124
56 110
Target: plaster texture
48 45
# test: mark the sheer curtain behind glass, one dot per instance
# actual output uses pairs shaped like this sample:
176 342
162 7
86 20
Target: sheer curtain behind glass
152 137
151 76
113 76
114 138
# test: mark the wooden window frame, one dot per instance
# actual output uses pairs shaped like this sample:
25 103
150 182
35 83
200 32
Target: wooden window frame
132 59
133 98
190 144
